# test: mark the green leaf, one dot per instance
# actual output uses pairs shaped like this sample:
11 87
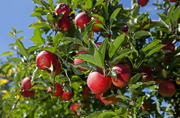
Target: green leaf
87 65
67 88
21 38
37 1
94 114
37 39
22 49
139 101
155 49
39 87
115 45
20 32
141 33
99 2
40 25
170 11
14 29
113 74
75 40
7 53
88 4
86 57
150 45
103 47
164 18
12 34
35 14
15 59
175 16
158 107
135 78
98 58
113 15
76 70
51 4
57 39
135 10
100 18
107 114
35 74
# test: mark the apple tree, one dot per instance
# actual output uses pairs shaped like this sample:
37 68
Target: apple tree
94 58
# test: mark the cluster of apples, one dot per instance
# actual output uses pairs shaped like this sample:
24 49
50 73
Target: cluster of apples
80 20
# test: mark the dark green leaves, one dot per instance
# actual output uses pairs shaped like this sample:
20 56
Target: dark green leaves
141 33
113 15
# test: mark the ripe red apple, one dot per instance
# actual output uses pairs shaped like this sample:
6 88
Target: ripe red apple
167 88
146 106
45 58
82 19
26 83
96 28
147 72
59 90
173 0
67 95
125 29
123 75
99 44
64 24
86 91
109 100
97 83
169 46
77 61
142 3
27 93
158 81
61 8
74 107
56 67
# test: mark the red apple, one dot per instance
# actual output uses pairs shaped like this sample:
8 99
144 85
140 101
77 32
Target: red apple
26 83
82 19
45 58
86 91
147 72
64 24
77 61
56 67
123 75
167 88
74 107
125 29
97 82
173 0
59 90
169 46
142 3
109 100
144 23
67 95
146 106
61 8
158 81
27 93
96 28
99 44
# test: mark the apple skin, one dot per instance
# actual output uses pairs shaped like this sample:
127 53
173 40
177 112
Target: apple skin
167 88
86 91
59 90
99 44
56 67
142 3
64 24
96 28
109 100
169 46
45 58
62 7
77 61
123 75
74 107
82 19
146 106
125 29
97 83
173 0
67 95
26 83
147 72
27 93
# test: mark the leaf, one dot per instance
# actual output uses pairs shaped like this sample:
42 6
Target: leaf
98 58
107 114
37 1
7 53
40 25
115 45
86 57
113 74
99 2
141 33
22 49
150 45
51 5
39 87
35 14
35 74
176 14
20 32
15 59
170 11
50 49
57 39
76 70
67 88
158 107
87 65
164 18
75 40
12 34
100 18
37 39
94 114
88 4
139 101
103 47
113 15
135 10
155 49
135 78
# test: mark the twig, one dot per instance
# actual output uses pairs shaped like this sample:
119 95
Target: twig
14 106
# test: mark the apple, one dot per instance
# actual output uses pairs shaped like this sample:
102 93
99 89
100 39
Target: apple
123 75
27 93
26 83
144 23
99 44
147 72
158 81
82 19
57 68
86 91
125 29
96 28
142 3
45 58
169 46
77 61
167 88
67 95
109 100
97 82
146 106
59 90
61 8
173 0
64 24
74 107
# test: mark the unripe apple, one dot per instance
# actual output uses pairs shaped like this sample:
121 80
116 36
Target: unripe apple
86 91
173 0
125 29
59 90
96 28
64 24
61 8
26 83
169 46
147 72
123 75
82 19
77 61
142 3
74 107
45 58
167 88
97 82
67 95
57 68
27 93
146 106
109 100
